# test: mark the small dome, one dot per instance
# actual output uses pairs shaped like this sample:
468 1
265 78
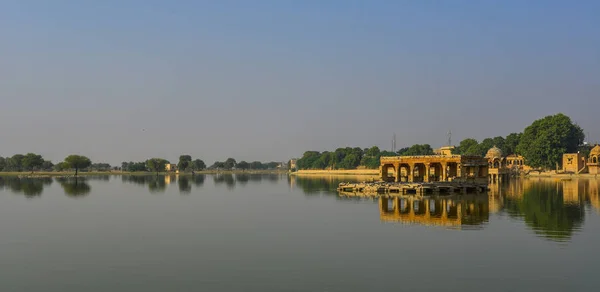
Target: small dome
595 150
494 152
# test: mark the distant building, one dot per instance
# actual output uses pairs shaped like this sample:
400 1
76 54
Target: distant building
445 150
170 167
293 164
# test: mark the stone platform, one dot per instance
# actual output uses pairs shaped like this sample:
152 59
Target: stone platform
390 188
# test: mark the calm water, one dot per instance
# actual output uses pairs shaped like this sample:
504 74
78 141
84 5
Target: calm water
274 233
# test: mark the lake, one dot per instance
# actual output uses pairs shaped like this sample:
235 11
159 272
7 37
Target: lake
279 233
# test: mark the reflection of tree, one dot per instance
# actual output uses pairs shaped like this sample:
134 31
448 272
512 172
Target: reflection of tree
317 185
30 187
242 178
76 187
543 208
198 179
183 183
137 179
156 184
225 178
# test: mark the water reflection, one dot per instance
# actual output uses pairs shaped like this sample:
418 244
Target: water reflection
183 183
553 209
29 187
464 211
74 187
312 185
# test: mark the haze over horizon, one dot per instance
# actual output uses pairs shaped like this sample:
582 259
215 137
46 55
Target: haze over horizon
267 80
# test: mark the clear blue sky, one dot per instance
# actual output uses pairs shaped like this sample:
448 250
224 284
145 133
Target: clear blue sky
267 80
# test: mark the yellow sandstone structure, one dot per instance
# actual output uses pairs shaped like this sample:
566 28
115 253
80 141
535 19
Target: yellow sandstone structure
593 164
433 168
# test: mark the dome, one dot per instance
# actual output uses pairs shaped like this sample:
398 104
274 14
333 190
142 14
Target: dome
595 150
494 152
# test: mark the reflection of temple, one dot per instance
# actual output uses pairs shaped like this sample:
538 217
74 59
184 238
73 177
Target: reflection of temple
442 211
433 168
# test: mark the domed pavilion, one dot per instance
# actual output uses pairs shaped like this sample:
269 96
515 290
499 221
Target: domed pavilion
594 160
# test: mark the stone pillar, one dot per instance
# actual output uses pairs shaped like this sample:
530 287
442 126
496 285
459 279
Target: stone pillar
459 170
444 171
411 171
427 170
397 176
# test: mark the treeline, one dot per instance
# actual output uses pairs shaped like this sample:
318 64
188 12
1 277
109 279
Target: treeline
352 158
31 162
35 162
187 164
542 144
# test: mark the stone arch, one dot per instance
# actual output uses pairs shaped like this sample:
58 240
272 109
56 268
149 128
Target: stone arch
403 172
496 163
419 172
388 172
435 171
594 159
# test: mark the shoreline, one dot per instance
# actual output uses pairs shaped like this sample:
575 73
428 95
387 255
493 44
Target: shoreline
140 173
307 172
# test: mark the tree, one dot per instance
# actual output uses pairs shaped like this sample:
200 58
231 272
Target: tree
61 166
545 141
2 163
468 147
372 152
217 165
256 165
47 165
14 163
511 142
417 149
243 165
198 165
156 164
229 163
185 162
77 162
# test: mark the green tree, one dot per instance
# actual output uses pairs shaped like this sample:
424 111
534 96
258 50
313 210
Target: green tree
2 163
156 164
468 147
217 165
230 163
61 166
77 162
185 162
417 149
47 165
243 165
256 165
373 152
32 161
545 141
511 142
15 162
198 165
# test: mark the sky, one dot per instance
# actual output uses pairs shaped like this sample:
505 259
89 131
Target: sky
267 80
